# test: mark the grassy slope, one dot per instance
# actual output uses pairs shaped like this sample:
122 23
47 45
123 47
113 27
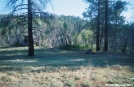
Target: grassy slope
58 68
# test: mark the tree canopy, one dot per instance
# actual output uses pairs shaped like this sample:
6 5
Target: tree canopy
103 27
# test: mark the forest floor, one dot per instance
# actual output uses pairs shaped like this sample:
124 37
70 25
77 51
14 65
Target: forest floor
61 68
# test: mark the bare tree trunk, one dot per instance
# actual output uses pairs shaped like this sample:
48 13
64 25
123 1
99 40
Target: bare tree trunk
69 40
79 31
106 27
30 33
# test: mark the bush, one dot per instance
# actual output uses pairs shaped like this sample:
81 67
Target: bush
70 47
76 47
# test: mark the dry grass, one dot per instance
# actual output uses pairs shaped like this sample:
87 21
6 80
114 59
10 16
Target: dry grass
66 77
62 69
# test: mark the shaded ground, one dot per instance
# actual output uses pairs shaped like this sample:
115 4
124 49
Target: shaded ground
54 57
60 68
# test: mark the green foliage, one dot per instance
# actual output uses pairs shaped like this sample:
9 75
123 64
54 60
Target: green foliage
17 44
71 47
86 46
70 32
77 47
65 25
120 5
87 35
87 83
96 15
70 82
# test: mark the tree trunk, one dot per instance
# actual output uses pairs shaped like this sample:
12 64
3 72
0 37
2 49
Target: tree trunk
79 31
30 33
115 33
98 29
106 27
124 49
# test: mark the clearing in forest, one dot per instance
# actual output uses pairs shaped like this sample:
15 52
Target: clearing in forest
62 68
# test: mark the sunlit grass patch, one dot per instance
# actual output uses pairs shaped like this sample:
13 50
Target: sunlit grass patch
85 76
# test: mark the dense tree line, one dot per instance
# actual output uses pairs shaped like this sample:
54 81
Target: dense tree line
103 28
112 34
28 10
60 31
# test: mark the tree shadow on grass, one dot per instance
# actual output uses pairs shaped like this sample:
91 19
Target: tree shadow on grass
18 60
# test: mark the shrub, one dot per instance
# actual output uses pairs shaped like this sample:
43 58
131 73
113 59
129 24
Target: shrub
76 47
70 47
70 82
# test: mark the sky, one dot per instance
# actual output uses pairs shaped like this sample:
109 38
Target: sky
59 7
65 7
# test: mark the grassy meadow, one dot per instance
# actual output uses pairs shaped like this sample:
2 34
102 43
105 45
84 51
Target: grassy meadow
62 68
